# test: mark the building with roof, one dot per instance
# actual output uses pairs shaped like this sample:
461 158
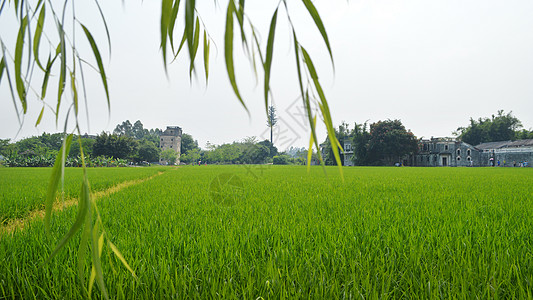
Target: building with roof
171 139
508 153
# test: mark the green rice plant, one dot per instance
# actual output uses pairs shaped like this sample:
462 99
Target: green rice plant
382 233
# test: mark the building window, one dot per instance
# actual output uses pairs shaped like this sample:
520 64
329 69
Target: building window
161 139
170 146
427 159
458 152
468 152
458 158
171 140
445 147
468 158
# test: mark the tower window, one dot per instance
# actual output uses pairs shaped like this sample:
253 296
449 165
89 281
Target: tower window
458 158
468 152
445 147
458 151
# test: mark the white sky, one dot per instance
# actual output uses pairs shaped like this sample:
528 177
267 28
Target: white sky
432 64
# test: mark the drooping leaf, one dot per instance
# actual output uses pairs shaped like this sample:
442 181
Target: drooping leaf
189 26
37 36
47 75
207 44
74 92
310 151
268 59
121 258
57 175
40 117
2 67
172 22
105 25
228 52
99 62
63 70
21 90
319 24
97 263
166 12
195 45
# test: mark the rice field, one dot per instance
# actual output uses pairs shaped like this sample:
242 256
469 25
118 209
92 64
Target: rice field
278 232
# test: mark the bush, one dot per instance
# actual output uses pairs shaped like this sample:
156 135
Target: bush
280 160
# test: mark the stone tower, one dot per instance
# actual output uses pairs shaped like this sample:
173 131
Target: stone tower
171 139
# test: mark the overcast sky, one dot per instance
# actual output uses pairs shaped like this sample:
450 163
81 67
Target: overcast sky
432 64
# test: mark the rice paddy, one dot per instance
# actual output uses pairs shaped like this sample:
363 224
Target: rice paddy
278 232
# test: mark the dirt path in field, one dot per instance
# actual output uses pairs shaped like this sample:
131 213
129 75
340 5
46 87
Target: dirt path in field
20 224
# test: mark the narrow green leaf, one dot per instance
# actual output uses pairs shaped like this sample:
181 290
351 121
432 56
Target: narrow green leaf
324 109
99 62
74 92
268 59
207 44
121 258
189 26
172 22
37 36
57 174
2 67
21 90
310 151
105 25
63 70
195 45
47 76
320 25
82 250
228 52
97 263
166 12
40 117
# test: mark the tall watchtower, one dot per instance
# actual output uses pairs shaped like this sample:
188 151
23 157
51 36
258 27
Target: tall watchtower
171 139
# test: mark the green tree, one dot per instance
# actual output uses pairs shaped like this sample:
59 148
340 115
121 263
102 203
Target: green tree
500 127
148 151
360 141
389 142
170 156
272 120
112 145
188 143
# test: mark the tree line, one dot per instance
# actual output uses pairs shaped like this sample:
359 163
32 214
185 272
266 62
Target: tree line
386 142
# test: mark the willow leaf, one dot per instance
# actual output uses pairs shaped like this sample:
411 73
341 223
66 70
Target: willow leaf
37 36
195 45
319 24
166 12
97 263
2 68
207 44
21 90
57 174
228 52
74 92
40 117
99 62
189 26
63 69
269 53
47 76
105 25
310 151
121 258
172 22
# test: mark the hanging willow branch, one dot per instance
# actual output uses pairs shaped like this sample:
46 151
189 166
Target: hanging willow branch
36 38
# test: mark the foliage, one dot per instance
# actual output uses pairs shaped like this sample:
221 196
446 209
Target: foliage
360 141
169 156
22 63
188 144
293 235
112 145
148 152
281 159
272 120
389 141
502 127
341 134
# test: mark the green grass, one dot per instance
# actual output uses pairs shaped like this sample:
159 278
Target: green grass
24 189
383 233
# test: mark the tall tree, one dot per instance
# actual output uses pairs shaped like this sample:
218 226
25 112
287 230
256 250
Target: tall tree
272 120
389 141
500 127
